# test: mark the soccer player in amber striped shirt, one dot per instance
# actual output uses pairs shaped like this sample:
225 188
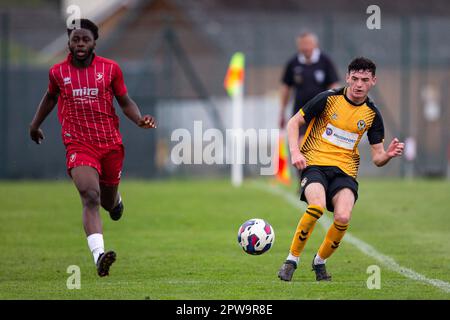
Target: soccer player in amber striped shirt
329 160
83 86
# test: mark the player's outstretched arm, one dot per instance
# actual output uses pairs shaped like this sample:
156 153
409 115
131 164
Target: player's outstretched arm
46 106
380 156
131 110
297 159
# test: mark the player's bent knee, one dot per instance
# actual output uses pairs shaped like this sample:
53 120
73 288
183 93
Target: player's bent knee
90 198
342 217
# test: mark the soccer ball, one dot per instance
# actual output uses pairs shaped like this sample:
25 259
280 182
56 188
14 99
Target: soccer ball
256 236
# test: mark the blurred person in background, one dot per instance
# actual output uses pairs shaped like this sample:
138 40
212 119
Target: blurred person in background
308 73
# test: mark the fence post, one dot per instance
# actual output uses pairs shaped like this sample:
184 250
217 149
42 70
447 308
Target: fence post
4 103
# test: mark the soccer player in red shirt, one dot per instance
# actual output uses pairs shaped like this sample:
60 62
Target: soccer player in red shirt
84 85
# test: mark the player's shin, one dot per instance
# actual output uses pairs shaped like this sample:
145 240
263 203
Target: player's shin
332 240
304 230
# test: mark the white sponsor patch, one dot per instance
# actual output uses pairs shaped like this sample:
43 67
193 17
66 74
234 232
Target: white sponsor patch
339 137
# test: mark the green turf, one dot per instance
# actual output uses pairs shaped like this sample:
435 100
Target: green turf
177 240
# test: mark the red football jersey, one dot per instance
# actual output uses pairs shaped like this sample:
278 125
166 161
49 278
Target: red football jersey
85 103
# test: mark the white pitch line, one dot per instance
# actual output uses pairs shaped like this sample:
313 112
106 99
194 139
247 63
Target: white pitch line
364 247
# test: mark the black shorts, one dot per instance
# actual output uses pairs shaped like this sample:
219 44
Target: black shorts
332 179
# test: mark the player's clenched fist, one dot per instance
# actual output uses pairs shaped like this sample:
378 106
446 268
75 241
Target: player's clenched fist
147 122
395 148
299 161
36 135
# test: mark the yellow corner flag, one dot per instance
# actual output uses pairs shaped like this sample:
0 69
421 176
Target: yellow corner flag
283 174
235 74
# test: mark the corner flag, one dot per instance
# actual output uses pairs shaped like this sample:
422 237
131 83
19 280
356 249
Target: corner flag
283 174
234 84
234 78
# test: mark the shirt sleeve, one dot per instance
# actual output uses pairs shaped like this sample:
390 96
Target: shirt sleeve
315 106
53 87
287 77
375 134
118 83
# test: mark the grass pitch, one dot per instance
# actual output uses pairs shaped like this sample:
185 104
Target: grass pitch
178 240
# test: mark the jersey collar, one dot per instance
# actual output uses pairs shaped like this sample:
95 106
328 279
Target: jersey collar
351 102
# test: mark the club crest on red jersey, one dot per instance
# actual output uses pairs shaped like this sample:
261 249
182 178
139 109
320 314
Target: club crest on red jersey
99 76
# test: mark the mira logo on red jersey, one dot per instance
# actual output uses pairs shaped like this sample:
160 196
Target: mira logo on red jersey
91 92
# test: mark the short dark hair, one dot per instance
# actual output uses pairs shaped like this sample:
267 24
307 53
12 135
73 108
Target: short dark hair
84 24
362 63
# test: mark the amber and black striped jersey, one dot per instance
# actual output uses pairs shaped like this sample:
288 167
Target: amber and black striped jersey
336 126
